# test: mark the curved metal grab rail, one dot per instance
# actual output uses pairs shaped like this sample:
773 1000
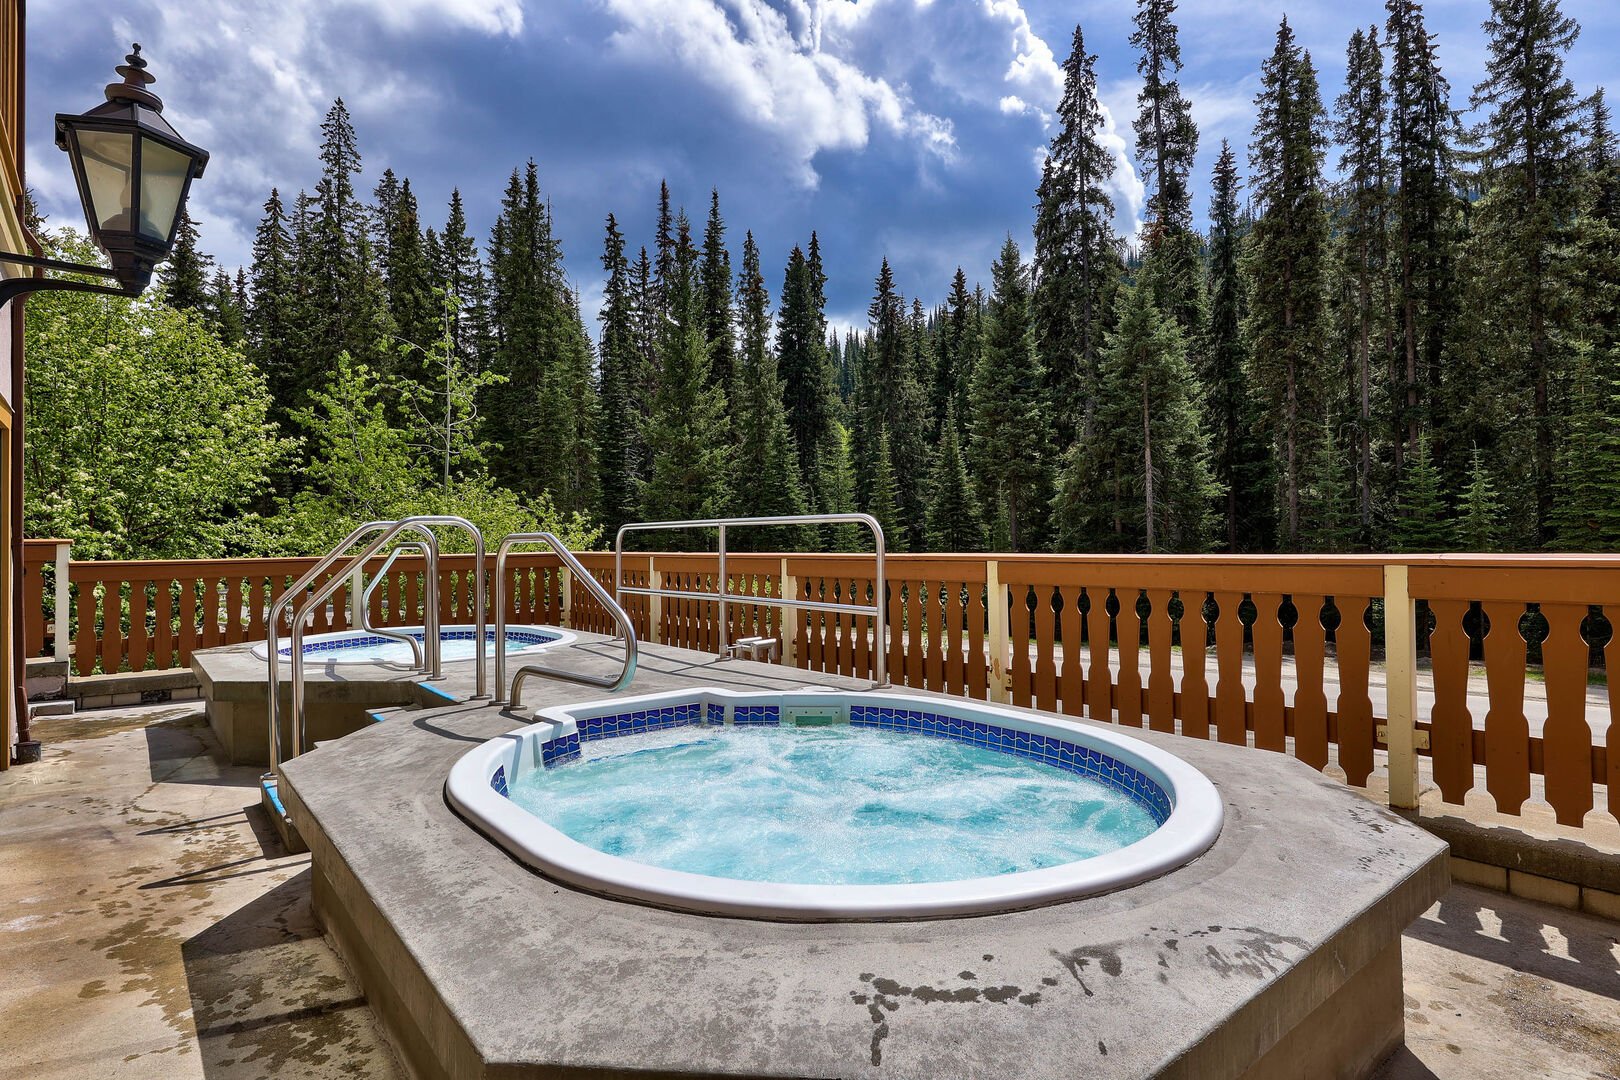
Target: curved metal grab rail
430 630
627 629
480 614
876 609
362 611
273 628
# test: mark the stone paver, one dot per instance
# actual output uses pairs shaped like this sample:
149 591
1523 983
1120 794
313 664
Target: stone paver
152 928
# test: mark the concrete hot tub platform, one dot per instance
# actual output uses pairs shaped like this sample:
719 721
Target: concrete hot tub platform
1276 954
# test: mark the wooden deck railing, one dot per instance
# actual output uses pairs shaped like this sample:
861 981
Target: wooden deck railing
1319 657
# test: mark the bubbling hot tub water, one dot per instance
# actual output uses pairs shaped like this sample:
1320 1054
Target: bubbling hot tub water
829 806
815 804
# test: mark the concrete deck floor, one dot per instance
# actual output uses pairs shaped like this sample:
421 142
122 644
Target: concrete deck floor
153 928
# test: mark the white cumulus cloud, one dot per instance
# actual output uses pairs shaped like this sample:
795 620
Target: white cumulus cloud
774 66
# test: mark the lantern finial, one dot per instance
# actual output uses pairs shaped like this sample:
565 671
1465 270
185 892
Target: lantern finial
136 81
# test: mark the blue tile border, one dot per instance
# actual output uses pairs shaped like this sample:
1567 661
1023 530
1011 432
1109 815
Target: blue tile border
1059 753
498 781
1071 757
526 638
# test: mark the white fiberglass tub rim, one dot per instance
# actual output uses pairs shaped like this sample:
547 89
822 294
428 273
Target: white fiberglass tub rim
1194 823
560 637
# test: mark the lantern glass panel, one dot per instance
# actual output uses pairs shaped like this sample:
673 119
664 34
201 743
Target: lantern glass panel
164 172
108 163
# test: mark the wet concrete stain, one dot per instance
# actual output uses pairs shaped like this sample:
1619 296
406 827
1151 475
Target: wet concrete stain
1076 961
887 995
1256 955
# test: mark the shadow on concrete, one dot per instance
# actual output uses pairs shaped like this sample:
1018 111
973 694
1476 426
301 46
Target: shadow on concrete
269 997
1404 1065
182 750
1485 925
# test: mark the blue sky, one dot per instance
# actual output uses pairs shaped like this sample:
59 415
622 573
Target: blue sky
906 128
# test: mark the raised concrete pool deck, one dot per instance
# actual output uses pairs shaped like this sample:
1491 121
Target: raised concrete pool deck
154 931
481 966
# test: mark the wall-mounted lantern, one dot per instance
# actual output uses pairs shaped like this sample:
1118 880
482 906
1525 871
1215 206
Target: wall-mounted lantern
134 172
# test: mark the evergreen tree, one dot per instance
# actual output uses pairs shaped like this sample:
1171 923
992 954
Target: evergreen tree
687 434
187 274
346 303
458 270
1423 209
953 513
1077 258
272 322
1479 511
384 205
1529 160
889 399
1328 496
1422 521
1586 513
767 474
1166 143
714 281
1286 266
1011 426
1238 459
1149 441
806 375
417 316
620 427
1359 126
884 499
225 313
958 349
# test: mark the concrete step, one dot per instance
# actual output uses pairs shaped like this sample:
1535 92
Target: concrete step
63 707
47 678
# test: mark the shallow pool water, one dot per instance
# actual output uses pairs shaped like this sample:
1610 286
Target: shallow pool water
827 805
453 645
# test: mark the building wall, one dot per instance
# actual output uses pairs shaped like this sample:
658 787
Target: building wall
13 238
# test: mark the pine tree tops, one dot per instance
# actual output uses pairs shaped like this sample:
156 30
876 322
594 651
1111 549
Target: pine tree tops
186 274
953 522
1287 259
1166 137
714 281
1076 251
1012 424
1422 519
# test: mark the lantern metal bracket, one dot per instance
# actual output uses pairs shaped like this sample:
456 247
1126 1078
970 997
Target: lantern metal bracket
14 287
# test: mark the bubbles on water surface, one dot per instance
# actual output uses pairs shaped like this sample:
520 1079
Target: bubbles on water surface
833 805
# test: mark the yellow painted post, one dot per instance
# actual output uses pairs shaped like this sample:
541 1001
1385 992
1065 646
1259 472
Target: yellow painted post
1400 679
996 611
789 617
655 604
566 582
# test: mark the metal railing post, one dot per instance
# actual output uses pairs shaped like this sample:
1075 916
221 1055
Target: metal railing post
1400 682
722 586
878 609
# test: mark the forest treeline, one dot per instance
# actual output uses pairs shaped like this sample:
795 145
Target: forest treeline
1398 332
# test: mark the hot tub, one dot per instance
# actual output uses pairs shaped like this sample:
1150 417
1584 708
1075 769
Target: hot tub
818 805
456 643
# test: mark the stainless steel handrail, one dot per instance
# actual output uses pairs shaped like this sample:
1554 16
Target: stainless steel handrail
480 615
627 629
273 629
362 611
876 609
323 592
